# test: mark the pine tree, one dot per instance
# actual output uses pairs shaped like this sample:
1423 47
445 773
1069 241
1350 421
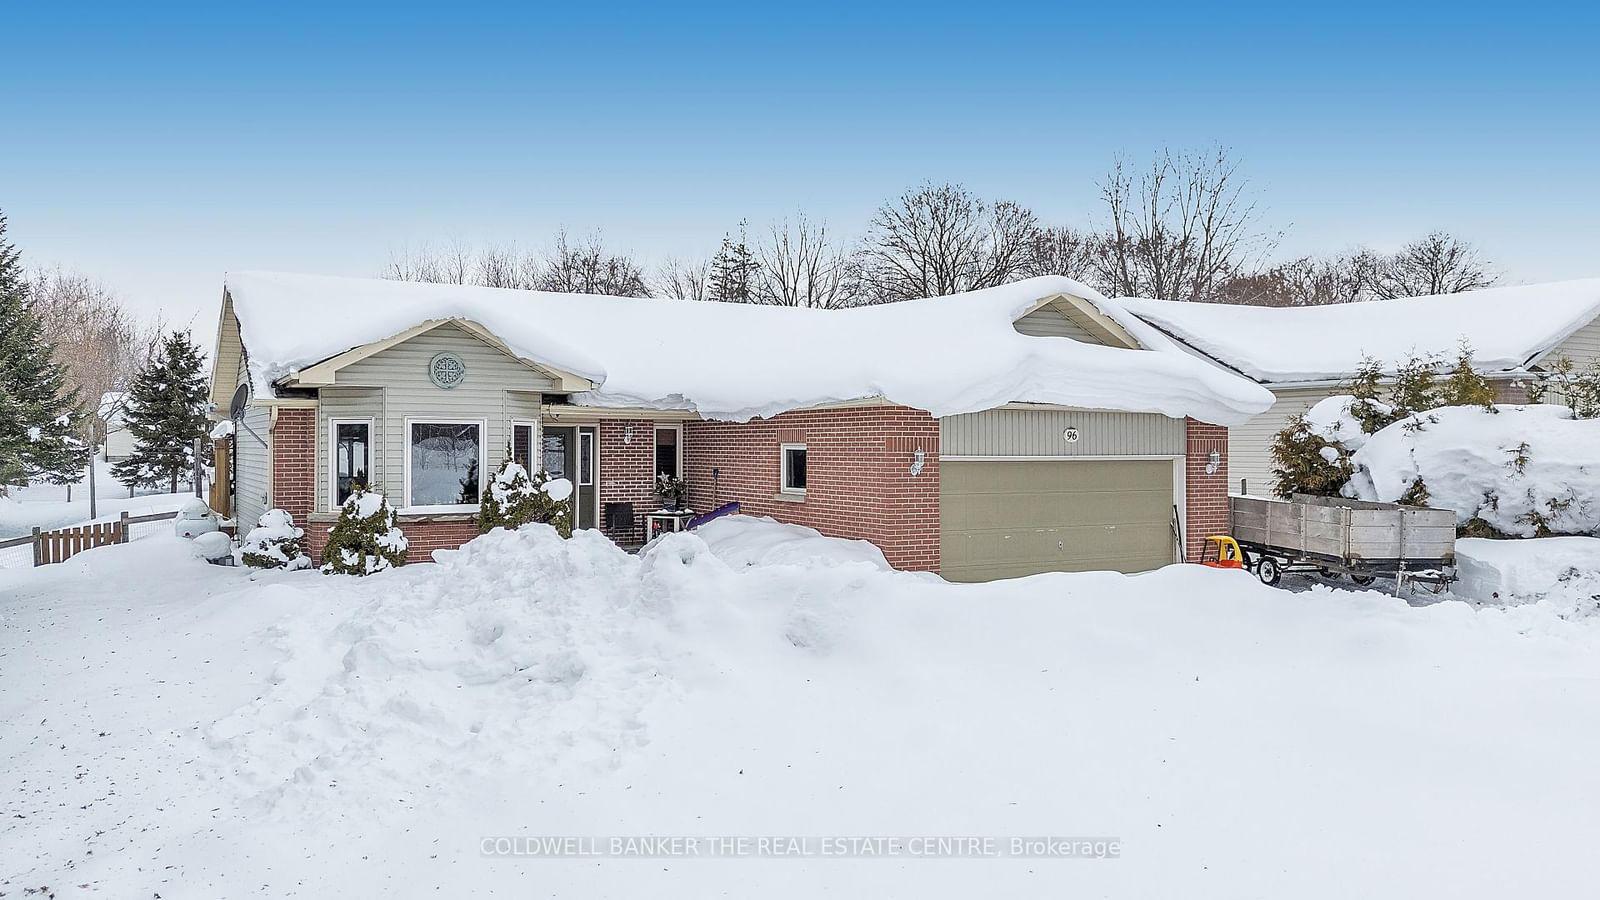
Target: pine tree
40 416
1465 387
733 270
1304 463
166 413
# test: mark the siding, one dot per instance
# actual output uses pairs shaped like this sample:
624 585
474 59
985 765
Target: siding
347 403
227 371
1582 347
251 467
1051 321
1038 432
497 389
1250 444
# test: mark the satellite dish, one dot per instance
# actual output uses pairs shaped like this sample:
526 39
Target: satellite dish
240 398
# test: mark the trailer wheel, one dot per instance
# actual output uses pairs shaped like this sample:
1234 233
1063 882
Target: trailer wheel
1268 571
1363 580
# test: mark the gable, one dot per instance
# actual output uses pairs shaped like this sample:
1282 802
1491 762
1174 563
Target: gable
1581 346
1060 316
227 357
406 362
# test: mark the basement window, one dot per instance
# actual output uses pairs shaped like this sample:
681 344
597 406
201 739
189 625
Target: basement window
794 469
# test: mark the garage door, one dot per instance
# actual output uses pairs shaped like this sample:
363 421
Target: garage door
1013 518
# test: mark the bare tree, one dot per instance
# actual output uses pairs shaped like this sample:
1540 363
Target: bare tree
587 268
942 239
1180 229
1436 264
800 265
506 267
681 280
451 265
1061 250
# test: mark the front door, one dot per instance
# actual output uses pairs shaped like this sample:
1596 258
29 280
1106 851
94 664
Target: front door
569 451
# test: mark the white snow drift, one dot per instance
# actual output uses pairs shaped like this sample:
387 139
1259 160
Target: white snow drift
196 731
946 355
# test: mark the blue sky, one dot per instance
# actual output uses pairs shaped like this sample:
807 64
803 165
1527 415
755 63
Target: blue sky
158 150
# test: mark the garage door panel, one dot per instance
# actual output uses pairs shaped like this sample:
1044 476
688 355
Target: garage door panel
1002 519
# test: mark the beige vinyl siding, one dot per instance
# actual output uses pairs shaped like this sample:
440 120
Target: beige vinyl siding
252 467
1250 444
227 371
1035 432
1582 347
1052 321
498 388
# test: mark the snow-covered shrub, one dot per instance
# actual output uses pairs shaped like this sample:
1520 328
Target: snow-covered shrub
516 498
1306 462
365 539
1526 471
275 543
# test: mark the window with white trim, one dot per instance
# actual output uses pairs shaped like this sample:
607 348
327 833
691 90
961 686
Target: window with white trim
669 451
794 468
444 463
349 458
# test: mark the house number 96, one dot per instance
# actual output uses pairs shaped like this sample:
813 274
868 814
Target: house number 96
1070 435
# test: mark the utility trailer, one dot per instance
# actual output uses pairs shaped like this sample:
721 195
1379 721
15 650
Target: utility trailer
1350 537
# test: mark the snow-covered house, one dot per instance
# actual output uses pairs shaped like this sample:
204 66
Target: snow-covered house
1305 354
1022 429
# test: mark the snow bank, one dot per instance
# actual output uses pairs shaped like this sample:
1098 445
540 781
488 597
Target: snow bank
1468 459
1506 327
1524 571
1330 419
743 541
946 355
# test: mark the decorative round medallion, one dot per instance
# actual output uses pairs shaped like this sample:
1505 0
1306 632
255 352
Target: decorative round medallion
446 370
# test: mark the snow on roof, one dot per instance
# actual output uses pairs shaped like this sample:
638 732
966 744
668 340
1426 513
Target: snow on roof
946 355
1506 327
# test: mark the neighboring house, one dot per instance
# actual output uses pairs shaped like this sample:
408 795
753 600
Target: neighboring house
1306 353
118 440
1030 428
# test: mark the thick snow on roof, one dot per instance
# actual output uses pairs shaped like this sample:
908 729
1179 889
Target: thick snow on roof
1506 327
946 355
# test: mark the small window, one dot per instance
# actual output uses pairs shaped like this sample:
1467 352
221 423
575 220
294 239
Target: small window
585 458
522 445
444 460
794 468
352 459
668 459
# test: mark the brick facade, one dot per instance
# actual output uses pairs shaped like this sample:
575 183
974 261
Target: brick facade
294 463
627 473
858 473
1205 494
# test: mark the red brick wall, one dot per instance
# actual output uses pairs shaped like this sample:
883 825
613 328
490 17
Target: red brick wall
294 463
422 538
627 474
858 479
1205 495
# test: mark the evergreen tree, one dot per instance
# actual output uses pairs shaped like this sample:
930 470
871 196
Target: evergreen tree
166 413
366 538
40 416
733 271
515 498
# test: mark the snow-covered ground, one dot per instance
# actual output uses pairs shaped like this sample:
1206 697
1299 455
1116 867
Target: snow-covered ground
46 505
186 730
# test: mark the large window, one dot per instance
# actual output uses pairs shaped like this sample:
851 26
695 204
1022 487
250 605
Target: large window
351 458
669 458
444 461
794 468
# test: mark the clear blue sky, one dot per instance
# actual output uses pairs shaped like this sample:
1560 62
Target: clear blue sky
157 150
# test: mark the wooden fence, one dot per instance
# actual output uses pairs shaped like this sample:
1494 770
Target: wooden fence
63 543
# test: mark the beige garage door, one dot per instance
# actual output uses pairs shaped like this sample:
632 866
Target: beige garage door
1006 519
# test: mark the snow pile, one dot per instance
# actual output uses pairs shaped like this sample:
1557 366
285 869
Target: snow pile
946 355
557 489
1525 470
743 541
1330 419
223 429
1505 326
1526 571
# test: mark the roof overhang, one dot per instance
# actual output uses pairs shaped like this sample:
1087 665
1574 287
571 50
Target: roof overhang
1091 318
326 372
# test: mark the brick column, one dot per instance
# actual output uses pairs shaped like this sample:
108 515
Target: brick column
627 473
294 464
1205 493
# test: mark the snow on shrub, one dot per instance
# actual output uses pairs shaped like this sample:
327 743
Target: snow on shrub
516 498
275 543
365 539
1527 471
